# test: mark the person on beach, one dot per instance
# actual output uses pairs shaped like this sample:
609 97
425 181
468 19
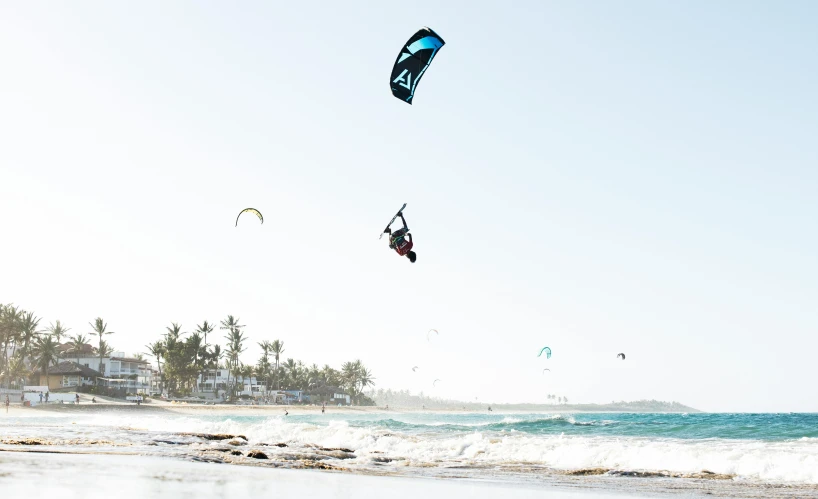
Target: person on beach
7 404
93 400
41 397
46 397
323 407
77 398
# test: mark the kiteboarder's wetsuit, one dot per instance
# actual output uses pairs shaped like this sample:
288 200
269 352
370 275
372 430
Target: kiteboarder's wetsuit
401 239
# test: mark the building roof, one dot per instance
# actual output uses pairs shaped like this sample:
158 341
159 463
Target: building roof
72 368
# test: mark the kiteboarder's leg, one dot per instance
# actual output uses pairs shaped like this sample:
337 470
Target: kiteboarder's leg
400 214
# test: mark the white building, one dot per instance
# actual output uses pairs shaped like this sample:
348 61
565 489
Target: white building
120 371
216 381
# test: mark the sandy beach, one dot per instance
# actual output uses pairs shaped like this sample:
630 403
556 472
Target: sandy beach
83 476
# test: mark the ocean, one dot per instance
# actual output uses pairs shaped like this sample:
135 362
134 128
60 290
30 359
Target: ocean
728 453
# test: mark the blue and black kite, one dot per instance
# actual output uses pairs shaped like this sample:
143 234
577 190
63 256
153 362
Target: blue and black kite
412 62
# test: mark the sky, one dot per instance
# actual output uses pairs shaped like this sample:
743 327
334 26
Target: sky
591 176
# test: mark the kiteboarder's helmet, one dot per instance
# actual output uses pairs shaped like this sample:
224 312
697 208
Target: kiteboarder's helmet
411 256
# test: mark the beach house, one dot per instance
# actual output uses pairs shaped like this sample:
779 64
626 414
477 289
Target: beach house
118 371
67 375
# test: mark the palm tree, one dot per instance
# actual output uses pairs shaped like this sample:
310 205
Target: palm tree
290 370
277 347
16 370
365 378
58 331
235 338
204 329
213 356
194 342
77 344
246 371
264 363
105 349
10 318
45 354
28 330
231 324
100 328
157 350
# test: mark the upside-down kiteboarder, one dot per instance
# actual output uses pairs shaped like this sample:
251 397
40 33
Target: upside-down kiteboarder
401 240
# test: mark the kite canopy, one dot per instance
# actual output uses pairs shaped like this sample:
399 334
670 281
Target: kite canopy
547 352
434 383
413 60
620 355
250 210
546 369
414 368
430 332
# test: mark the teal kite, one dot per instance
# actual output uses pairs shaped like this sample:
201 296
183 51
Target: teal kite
547 352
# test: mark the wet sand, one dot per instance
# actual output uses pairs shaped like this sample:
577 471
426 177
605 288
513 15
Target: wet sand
68 476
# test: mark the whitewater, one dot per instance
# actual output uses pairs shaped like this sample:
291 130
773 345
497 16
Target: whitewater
753 450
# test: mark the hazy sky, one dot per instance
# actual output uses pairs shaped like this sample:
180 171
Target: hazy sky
598 177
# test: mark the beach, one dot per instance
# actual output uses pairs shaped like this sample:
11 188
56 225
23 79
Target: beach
83 476
643 455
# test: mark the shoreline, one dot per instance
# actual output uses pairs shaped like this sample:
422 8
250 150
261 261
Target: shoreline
141 476
260 437
223 409
156 471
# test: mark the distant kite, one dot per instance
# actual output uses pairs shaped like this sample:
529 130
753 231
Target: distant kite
250 210
546 369
620 355
430 332
434 383
547 352
414 368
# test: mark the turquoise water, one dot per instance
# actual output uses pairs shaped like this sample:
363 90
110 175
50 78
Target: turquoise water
682 426
765 427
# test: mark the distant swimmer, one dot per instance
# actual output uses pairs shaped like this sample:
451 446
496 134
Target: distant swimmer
489 408
286 413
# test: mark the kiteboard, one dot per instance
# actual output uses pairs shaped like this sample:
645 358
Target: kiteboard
393 219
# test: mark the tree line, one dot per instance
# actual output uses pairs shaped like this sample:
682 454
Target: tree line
182 358
28 349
